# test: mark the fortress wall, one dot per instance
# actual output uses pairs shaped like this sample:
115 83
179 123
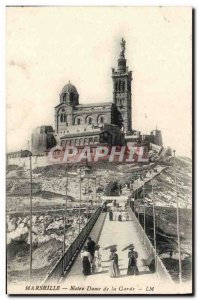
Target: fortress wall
37 161
156 148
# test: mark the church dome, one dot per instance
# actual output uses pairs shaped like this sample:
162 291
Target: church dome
69 88
69 95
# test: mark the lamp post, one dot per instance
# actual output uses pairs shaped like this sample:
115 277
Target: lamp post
144 215
88 185
30 230
65 218
88 198
178 222
95 196
79 212
136 192
154 223
99 193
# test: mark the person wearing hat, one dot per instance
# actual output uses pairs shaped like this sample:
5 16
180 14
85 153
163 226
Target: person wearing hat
132 263
98 259
120 217
113 267
86 261
91 246
110 215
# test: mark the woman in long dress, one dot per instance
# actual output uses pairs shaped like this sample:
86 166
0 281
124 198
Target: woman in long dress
132 264
113 267
86 261
98 259
110 215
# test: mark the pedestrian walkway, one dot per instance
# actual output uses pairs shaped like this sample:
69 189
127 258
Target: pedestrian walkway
138 183
120 233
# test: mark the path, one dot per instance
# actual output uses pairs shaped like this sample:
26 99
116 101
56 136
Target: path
120 233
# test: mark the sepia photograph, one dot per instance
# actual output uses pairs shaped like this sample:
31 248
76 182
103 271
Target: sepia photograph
99 150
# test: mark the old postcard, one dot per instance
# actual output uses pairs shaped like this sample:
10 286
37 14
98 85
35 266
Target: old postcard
99 150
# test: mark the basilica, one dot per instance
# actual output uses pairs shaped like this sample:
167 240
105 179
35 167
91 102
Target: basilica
91 124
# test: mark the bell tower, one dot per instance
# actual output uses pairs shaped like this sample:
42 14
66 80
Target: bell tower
122 89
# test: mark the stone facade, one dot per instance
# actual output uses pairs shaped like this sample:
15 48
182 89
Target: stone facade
42 139
68 116
104 122
108 123
122 90
104 134
90 124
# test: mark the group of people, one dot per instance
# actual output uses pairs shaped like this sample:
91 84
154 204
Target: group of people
120 217
91 258
132 262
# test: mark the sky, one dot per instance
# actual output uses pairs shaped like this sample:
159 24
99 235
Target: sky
48 46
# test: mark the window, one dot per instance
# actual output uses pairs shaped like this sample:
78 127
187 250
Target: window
63 118
123 86
90 140
101 119
90 121
81 142
64 98
119 85
95 140
63 143
86 141
78 121
116 86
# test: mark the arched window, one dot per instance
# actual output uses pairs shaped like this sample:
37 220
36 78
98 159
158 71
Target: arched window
90 120
64 98
95 140
120 85
63 143
78 121
123 86
63 118
101 119
116 86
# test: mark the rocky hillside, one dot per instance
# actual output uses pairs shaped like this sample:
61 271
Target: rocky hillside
48 203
